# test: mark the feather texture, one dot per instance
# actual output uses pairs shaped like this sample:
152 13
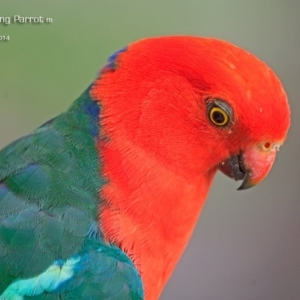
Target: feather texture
51 246
97 201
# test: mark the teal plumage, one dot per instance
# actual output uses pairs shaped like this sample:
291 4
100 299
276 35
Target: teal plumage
51 246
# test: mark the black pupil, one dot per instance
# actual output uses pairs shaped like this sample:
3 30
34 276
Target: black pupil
218 117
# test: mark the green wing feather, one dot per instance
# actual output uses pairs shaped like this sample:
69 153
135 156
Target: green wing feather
49 199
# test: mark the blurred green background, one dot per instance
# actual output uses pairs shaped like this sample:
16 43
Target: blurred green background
247 243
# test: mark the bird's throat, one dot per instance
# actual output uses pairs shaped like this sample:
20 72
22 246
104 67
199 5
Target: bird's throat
150 213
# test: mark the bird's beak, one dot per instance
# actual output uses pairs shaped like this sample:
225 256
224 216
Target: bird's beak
251 166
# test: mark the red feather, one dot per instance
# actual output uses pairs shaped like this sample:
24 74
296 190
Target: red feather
162 152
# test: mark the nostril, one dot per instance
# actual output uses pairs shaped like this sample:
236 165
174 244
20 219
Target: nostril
267 146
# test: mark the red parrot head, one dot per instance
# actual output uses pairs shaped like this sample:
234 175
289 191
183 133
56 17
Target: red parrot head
174 110
198 105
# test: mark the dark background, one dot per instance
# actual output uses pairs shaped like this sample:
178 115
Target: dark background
247 243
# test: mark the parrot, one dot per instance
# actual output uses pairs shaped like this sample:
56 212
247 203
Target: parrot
101 201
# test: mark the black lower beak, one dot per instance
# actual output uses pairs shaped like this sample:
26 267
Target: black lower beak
234 168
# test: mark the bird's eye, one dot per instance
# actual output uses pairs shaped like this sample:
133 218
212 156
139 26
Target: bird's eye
218 116
219 113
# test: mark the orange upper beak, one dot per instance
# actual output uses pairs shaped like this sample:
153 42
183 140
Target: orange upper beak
251 166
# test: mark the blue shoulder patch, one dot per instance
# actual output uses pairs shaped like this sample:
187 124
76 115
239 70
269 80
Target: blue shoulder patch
111 62
92 109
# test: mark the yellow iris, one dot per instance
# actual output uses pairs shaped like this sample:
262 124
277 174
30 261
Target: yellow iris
218 116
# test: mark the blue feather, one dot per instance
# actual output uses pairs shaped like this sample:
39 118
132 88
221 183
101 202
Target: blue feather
111 63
